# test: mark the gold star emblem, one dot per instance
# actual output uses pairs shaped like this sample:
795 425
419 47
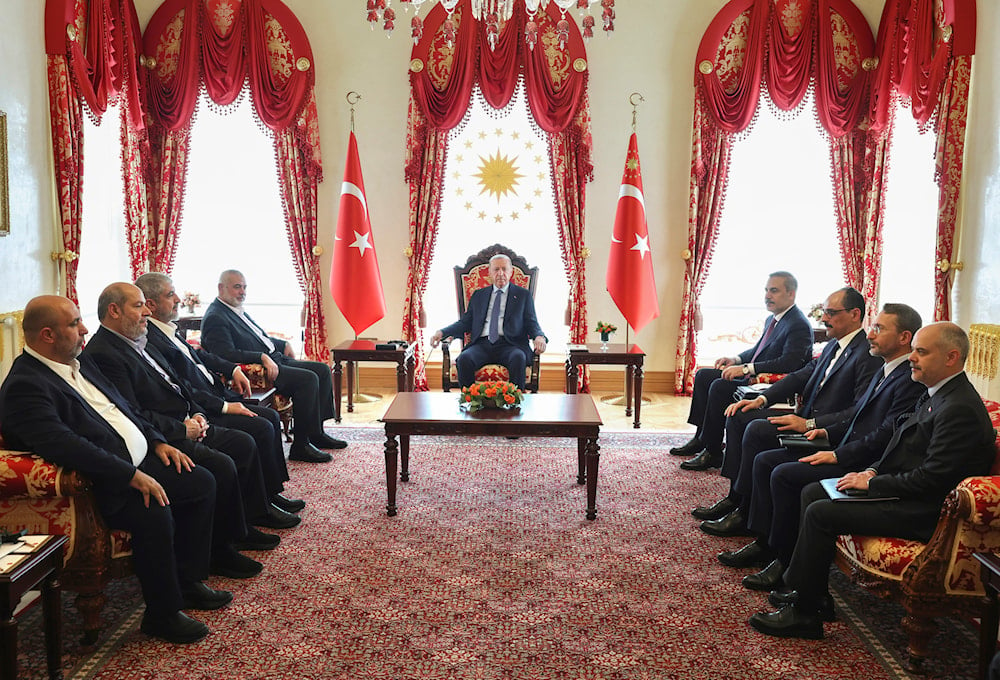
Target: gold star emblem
498 219
514 216
529 206
632 163
468 205
515 135
498 175
481 215
468 144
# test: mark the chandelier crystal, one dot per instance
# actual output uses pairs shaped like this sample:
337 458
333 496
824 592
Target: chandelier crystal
494 12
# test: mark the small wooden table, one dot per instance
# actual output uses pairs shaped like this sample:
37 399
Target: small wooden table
989 572
540 415
353 351
630 356
42 566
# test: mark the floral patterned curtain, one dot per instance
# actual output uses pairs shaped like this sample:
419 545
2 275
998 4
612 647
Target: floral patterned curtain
222 45
446 63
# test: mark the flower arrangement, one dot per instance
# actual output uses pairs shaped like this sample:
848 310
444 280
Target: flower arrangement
190 300
816 312
490 394
603 328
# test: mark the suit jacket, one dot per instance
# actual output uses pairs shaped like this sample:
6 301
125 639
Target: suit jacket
843 388
42 413
184 363
143 386
787 348
520 325
873 419
948 438
224 333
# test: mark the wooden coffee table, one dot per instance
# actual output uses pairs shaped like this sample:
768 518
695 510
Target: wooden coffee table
540 415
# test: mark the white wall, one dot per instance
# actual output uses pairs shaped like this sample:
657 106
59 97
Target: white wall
25 267
652 52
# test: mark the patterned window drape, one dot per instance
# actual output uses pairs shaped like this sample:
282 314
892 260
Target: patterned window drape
446 63
222 45
787 46
93 59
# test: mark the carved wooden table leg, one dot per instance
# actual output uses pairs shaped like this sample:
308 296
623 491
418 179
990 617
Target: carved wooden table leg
390 474
593 459
338 384
637 383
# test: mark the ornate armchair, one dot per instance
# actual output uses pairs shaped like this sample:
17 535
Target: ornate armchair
941 577
469 278
46 499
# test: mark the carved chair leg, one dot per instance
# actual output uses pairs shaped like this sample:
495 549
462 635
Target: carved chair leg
919 631
90 606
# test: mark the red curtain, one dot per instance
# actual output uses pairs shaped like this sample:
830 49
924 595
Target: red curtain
442 76
222 45
93 59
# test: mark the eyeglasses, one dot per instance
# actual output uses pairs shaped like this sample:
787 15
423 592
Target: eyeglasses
833 312
876 329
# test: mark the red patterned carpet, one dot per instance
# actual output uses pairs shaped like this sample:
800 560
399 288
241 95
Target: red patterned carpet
491 571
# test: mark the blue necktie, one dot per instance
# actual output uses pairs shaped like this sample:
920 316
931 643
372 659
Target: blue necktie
494 332
820 373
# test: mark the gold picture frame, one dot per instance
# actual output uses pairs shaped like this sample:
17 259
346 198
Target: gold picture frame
4 188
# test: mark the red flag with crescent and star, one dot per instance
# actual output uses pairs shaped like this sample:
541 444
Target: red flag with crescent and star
355 281
630 267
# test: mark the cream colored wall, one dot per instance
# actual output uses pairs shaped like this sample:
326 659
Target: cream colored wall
651 52
25 267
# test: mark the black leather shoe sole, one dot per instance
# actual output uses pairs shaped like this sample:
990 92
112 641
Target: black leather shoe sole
786 624
691 448
767 579
717 511
732 524
327 442
750 555
825 611
277 518
206 599
258 540
309 455
703 461
288 504
240 570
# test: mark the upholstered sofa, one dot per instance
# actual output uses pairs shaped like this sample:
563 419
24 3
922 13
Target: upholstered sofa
941 577
46 499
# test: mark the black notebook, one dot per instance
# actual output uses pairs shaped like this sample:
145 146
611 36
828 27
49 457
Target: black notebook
799 441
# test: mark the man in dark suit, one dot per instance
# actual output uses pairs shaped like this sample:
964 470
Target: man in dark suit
201 372
227 331
501 321
947 438
829 385
66 411
145 379
784 346
772 500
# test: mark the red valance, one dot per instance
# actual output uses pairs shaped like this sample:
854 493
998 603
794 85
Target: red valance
224 43
442 76
786 44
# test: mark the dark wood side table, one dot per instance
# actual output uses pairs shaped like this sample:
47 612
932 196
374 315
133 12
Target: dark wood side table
989 572
353 351
630 356
42 566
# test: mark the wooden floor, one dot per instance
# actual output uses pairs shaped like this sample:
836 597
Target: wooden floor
660 412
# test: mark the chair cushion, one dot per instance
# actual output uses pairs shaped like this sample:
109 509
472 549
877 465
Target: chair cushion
885 557
489 372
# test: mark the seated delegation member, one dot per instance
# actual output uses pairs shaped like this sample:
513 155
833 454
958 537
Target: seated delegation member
501 321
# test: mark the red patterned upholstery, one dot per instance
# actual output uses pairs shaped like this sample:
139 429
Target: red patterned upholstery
46 499
941 577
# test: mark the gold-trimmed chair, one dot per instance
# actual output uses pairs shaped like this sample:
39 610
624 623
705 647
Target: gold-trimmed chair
469 278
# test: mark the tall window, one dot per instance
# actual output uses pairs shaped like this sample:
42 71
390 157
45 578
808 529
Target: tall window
233 218
909 234
103 253
498 189
778 215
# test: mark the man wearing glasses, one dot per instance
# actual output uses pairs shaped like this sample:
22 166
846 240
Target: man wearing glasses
828 386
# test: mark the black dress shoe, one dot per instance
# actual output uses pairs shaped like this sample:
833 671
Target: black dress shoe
717 511
824 609
178 628
258 540
276 518
767 579
307 453
788 622
693 446
232 564
733 524
325 441
199 596
703 461
751 555
288 504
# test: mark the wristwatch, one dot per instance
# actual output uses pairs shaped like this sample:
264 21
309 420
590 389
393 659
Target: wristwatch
746 370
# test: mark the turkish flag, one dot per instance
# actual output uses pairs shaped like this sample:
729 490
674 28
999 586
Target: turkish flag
630 266
355 281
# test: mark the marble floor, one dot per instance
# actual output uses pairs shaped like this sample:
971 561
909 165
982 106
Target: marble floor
659 413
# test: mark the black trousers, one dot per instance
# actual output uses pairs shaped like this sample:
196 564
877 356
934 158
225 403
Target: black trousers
709 399
482 352
265 429
171 545
310 385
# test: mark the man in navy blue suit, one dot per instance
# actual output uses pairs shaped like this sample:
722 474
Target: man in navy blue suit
501 321
771 501
784 346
